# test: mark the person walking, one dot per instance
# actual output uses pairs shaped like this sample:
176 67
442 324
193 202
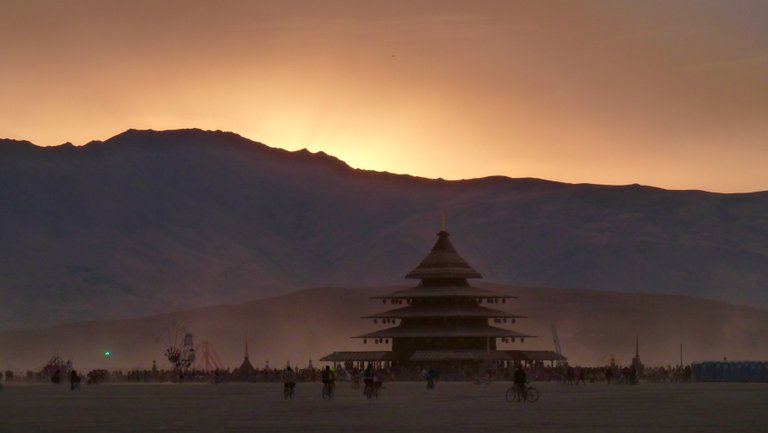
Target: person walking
74 380
431 374
520 379
289 381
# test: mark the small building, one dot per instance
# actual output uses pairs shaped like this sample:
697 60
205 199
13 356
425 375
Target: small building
443 321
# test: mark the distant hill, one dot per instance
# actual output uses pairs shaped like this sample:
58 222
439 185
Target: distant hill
149 222
593 327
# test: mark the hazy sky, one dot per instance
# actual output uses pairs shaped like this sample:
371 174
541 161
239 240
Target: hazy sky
667 93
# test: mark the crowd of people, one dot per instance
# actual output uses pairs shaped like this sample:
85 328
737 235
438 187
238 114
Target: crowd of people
373 376
630 375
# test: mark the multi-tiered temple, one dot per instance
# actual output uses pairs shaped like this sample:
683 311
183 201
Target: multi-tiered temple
442 320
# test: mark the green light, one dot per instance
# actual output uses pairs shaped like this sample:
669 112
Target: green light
107 354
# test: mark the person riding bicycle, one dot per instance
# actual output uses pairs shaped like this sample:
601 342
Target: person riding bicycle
369 376
520 379
329 378
289 379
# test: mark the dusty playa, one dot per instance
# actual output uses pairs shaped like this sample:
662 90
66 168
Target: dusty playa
403 407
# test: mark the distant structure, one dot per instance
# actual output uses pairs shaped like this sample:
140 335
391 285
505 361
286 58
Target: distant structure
636 364
246 372
556 340
210 358
441 322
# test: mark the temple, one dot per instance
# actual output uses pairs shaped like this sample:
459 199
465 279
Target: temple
245 372
442 320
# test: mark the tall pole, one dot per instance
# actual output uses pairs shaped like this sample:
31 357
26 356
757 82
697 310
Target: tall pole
681 355
637 346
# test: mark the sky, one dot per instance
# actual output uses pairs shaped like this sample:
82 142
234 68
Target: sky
666 93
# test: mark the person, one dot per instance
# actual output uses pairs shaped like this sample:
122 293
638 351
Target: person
376 384
74 380
431 374
609 374
289 380
329 378
520 379
368 376
56 377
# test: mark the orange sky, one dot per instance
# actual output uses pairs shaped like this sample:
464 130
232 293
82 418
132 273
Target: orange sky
672 94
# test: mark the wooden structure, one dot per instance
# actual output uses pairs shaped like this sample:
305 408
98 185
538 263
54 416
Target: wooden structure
444 319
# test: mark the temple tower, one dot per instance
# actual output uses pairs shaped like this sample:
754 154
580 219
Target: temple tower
443 319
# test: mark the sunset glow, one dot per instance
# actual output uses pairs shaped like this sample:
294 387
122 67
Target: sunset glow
667 94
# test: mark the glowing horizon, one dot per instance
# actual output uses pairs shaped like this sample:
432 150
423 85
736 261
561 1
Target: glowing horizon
671 96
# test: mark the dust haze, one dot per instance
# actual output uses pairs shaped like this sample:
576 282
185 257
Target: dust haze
594 326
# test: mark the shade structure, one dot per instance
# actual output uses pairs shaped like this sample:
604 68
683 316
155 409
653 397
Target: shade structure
446 355
365 356
536 355
483 355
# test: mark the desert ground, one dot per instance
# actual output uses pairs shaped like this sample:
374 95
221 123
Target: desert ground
402 407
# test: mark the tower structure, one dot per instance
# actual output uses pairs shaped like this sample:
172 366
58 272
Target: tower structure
246 372
443 319
637 365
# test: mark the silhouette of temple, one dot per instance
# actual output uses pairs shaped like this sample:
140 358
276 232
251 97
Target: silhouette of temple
245 372
442 319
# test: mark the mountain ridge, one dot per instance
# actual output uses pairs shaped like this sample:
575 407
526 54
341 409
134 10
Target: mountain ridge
134 225
132 135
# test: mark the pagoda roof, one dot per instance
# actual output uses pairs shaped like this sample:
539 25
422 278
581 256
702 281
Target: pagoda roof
444 291
443 262
472 310
444 331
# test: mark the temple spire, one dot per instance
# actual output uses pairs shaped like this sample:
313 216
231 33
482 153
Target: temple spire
442 221
246 346
637 346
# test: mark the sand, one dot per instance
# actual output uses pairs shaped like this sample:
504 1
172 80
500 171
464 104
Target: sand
402 407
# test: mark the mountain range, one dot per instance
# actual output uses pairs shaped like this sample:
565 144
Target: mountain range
149 222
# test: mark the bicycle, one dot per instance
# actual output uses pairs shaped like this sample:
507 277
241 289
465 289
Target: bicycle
530 394
327 391
371 390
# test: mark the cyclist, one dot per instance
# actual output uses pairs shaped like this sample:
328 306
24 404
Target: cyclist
520 379
329 378
368 376
289 380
